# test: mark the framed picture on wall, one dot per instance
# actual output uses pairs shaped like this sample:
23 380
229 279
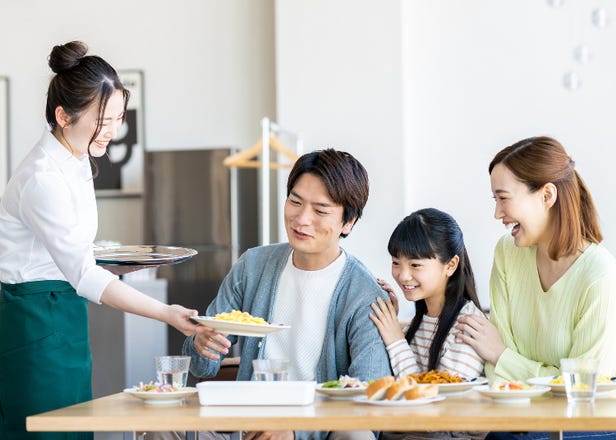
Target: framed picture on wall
120 171
4 132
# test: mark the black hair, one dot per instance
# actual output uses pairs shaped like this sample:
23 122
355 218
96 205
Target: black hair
426 234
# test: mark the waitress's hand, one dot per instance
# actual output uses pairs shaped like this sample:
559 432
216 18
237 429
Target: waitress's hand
211 344
481 334
386 320
178 317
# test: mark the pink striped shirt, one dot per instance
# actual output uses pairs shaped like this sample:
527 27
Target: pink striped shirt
456 357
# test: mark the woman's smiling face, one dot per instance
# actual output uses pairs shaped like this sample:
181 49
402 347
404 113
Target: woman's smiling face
79 133
525 211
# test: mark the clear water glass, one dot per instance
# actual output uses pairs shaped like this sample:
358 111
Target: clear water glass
580 377
172 370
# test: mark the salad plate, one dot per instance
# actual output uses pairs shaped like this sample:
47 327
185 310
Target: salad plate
142 255
558 387
239 328
403 402
511 396
346 387
161 398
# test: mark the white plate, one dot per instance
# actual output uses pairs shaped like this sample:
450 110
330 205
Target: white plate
403 402
239 328
559 388
142 255
460 387
161 398
511 396
340 393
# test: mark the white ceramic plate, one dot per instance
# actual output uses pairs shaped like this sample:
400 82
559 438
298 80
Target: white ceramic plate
559 388
512 396
142 255
403 402
460 387
340 393
160 398
239 328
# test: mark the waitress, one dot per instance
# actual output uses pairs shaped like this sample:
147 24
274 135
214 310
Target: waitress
48 222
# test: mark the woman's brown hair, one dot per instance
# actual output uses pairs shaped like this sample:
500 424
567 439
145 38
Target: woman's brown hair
540 160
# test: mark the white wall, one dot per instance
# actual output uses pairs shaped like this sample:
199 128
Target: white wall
483 74
338 82
426 92
208 65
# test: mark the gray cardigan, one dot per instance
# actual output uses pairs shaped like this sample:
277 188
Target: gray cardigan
352 344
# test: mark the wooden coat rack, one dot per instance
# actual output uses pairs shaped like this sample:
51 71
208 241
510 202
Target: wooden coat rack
247 159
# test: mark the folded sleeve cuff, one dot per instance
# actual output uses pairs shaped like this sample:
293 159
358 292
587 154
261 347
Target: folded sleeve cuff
94 282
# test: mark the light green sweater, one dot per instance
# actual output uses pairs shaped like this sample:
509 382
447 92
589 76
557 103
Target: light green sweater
576 317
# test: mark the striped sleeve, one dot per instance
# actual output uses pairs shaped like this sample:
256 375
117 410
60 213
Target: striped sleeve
458 357
402 359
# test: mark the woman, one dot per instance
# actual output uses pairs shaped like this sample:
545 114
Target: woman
431 266
552 284
48 222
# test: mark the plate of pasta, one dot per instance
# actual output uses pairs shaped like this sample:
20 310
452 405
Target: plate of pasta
557 384
239 323
448 383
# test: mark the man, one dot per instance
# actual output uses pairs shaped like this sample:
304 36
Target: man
310 283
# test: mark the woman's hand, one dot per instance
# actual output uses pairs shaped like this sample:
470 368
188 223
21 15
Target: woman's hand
211 344
386 320
481 334
178 317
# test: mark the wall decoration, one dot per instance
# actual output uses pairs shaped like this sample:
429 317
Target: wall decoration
582 54
120 171
4 132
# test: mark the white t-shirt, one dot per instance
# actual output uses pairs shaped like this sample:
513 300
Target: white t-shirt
48 221
302 301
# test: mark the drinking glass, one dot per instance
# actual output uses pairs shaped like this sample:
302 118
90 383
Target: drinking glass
172 370
271 369
580 377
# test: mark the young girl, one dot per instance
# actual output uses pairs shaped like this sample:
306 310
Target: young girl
431 266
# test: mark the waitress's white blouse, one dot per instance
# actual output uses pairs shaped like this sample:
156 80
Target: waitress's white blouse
48 221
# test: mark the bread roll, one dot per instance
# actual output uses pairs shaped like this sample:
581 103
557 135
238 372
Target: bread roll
421 391
395 390
376 390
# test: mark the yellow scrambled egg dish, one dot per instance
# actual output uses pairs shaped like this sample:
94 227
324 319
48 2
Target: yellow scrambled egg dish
561 380
237 316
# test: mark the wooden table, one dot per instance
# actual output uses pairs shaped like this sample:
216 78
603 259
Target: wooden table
470 412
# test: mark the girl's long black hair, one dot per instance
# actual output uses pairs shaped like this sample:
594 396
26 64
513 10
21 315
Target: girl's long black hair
430 233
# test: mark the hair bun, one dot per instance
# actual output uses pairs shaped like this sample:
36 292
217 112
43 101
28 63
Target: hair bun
66 56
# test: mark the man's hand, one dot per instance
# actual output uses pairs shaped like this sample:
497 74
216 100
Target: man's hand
210 344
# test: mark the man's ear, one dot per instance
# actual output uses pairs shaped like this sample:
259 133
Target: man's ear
62 118
348 226
550 194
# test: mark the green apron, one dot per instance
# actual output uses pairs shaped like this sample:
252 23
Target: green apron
45 359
